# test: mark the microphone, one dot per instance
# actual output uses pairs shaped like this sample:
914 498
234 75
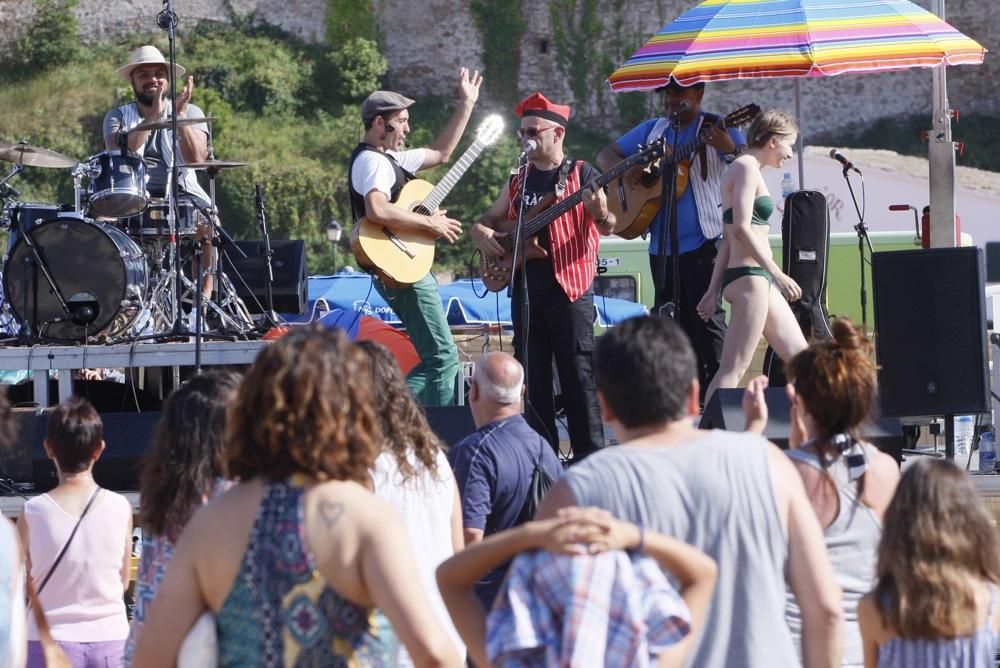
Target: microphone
681 108
842 159
529 148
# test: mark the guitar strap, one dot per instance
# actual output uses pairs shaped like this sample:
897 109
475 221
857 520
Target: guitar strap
707 120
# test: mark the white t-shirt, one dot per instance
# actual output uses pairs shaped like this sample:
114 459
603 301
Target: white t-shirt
373 171
425 505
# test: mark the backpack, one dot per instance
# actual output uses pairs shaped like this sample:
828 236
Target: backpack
540 483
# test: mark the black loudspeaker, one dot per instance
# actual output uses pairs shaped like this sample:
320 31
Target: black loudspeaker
930 327
288 262
725 411
450 423
805 244
127 439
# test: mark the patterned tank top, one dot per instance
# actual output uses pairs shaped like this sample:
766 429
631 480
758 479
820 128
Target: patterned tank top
280 611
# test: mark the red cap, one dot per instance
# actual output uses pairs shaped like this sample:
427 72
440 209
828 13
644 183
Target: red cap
537 104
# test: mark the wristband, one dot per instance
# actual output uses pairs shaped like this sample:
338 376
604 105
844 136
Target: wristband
601 221
642 540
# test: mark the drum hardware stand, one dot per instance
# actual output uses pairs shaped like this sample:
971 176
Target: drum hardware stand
9 190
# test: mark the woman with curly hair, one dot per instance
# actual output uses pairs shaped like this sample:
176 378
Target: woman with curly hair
412 473
292 560
185 470
832 386
745 272
935 601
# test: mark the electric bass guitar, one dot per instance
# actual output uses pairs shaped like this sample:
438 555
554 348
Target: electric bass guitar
636 198
403 257
496 271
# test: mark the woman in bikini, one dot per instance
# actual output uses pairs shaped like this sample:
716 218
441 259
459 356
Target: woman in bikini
745 271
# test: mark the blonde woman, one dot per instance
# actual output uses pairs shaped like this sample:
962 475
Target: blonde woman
745 271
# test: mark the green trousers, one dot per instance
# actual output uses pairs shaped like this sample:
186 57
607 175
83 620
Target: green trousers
419 307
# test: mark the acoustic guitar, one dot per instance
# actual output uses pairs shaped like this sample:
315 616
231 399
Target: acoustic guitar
636 198
403 257
496 271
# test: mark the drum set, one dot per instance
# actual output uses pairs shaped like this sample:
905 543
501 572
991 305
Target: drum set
104 269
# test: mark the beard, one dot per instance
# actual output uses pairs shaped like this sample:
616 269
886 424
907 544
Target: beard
144 98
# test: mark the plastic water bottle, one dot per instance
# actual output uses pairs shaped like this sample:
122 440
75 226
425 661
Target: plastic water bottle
965 425
787 185
987 452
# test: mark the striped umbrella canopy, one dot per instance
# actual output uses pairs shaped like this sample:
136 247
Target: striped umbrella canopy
745 39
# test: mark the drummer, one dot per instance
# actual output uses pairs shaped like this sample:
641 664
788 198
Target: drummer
148 74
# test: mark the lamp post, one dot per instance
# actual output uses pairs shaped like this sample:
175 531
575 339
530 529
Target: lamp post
333 232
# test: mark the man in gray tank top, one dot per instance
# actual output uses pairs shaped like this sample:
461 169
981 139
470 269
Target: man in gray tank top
733 495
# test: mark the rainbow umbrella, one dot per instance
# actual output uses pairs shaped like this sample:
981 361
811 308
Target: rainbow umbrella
746 39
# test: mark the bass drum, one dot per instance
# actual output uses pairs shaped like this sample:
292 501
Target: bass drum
99 270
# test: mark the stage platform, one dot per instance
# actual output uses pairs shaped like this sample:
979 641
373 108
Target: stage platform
139 355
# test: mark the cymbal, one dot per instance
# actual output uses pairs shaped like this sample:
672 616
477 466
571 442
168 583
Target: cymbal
214 165
33 156
165 125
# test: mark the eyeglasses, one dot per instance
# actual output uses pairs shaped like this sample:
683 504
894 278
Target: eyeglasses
533 132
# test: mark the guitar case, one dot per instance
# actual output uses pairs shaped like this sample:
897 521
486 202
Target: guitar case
805 251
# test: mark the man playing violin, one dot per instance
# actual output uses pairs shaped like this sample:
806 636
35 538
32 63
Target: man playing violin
699 219
560 284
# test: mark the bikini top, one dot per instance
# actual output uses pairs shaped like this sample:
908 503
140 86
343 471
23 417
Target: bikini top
763 207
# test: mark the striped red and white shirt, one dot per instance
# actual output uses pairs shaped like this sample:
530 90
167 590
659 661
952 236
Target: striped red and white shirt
573 237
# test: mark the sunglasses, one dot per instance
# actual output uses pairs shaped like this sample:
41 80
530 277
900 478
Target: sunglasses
533 132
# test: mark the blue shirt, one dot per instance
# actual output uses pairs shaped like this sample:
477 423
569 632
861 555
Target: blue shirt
493 467
689 234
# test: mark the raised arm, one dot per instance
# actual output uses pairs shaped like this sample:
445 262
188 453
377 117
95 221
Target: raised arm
468 92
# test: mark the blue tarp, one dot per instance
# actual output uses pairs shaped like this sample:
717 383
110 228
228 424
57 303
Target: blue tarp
464 301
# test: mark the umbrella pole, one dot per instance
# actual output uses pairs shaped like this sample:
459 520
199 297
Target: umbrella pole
799 145
941 159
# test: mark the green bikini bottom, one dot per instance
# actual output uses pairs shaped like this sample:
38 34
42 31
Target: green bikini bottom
733 273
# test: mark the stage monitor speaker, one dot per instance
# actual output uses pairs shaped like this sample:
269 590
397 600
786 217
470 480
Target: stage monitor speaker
450 423
288 262
930 331
725 411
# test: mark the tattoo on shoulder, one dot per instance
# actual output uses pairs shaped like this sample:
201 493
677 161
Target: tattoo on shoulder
330 512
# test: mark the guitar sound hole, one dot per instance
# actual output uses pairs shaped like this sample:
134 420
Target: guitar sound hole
421 209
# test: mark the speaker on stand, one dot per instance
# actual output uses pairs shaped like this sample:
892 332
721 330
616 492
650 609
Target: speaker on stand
930 334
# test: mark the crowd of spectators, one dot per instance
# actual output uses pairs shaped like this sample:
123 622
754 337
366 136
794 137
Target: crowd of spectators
307 514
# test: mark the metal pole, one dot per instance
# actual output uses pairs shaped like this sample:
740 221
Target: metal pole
941 158
799 144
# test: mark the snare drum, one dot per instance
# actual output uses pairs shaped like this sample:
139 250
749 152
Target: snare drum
118 187
100 272
153 223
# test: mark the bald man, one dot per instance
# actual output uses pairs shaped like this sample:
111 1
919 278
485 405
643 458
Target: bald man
493 465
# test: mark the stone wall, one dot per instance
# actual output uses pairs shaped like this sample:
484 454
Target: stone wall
427 40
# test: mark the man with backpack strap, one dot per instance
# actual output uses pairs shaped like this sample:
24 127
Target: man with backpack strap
501 464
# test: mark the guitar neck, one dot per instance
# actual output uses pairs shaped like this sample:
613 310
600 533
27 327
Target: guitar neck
433 201
542 220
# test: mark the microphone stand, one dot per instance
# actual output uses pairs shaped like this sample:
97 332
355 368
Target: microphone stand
518 257
668 193
260 202
862 229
